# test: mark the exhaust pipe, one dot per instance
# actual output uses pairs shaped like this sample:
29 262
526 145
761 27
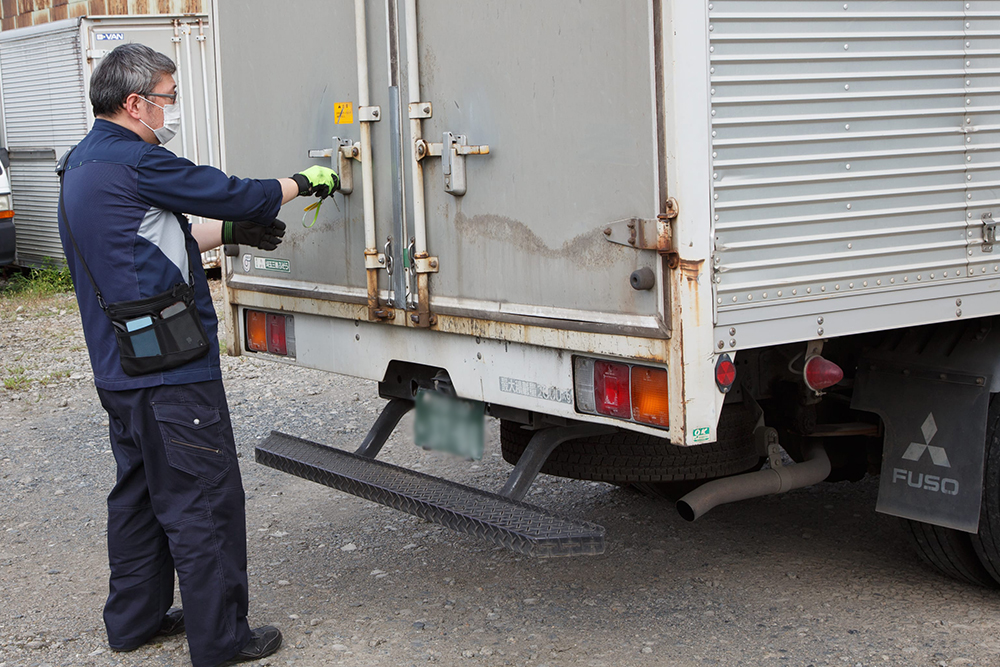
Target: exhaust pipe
813 470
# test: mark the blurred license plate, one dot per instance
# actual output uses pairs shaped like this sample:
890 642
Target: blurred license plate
448 424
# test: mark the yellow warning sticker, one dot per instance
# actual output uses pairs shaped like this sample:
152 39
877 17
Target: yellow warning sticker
343 113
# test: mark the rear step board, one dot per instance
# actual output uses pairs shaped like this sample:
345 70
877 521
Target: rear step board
524 528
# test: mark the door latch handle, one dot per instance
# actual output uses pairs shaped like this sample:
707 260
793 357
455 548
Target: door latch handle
342 157
989 232
452 151
411 250
388 255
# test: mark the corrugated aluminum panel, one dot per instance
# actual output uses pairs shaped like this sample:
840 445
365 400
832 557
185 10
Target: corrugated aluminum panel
35 189
855 147
44 108
983 147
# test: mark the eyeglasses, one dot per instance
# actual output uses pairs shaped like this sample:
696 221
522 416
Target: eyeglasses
171 96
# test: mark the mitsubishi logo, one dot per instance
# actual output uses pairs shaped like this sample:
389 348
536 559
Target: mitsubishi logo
916 450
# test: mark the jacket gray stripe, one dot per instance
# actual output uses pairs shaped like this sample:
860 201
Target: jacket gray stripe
162 229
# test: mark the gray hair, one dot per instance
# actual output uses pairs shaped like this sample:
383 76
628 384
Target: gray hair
130 68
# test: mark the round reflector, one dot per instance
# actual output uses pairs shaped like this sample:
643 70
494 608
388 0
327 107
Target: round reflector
820 373
725 373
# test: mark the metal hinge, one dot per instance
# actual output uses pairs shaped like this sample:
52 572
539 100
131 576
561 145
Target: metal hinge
452 151
989 232
634 232
645 234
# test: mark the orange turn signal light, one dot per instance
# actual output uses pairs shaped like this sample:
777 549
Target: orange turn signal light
256 331
650 404
9 213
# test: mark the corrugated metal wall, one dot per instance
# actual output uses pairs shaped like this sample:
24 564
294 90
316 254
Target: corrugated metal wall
43 97
855 145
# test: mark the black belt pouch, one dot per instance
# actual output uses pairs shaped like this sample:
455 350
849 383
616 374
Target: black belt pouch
160 332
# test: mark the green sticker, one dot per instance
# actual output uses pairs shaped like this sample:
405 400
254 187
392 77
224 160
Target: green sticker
701 434
271 264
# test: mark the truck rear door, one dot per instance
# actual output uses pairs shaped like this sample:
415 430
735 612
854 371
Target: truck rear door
563 96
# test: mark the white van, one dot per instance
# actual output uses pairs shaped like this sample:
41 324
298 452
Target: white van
7 238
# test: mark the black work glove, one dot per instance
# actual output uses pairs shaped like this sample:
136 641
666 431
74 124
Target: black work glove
262 235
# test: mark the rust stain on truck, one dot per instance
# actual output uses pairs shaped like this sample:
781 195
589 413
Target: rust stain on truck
688 276
637 347
690 269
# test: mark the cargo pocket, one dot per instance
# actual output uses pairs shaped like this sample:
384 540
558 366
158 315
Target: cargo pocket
192 439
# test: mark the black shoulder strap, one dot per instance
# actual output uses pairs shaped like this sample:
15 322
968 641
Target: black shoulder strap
61 168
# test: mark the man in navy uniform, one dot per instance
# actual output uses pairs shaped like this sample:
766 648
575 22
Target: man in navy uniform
178 502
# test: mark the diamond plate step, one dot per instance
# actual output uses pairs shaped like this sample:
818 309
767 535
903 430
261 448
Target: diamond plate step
524 528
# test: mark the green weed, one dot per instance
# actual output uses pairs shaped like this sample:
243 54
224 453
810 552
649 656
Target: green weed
38 283
17 381
54 377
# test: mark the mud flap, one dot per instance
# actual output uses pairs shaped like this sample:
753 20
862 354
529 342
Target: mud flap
931 385
935 437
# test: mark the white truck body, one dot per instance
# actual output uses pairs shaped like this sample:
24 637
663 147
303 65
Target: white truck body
831 165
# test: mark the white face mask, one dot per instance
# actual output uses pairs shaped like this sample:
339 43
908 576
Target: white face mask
171 122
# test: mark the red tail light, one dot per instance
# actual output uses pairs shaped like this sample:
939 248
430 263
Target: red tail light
611 389
820 373
276 334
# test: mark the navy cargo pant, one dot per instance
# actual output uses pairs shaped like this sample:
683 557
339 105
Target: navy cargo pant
178 504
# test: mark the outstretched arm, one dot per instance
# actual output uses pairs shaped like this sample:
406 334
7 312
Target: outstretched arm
264 235
208 234
289 189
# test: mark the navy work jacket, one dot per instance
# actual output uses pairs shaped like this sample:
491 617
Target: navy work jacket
124 199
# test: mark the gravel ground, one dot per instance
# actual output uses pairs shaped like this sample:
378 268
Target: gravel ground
811 578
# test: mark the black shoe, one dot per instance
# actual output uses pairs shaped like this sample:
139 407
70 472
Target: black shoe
264 642
172 624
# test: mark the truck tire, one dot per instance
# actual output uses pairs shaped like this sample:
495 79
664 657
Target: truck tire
987 541
948 551
627 456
